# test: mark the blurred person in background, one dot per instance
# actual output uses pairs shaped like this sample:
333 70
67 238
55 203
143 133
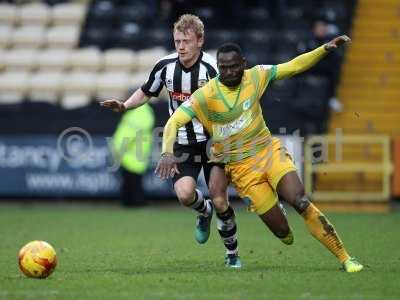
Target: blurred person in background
132 143
328 68
182 73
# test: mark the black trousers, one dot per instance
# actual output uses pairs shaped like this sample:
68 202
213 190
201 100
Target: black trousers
132 190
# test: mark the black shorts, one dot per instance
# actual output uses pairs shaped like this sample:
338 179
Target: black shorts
191 158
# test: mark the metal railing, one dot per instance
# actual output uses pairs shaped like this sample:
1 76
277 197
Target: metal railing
383 167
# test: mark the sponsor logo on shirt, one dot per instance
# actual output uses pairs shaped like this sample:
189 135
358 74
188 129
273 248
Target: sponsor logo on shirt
231 128
181 97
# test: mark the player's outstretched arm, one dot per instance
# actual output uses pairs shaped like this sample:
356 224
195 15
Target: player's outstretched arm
167 166
305 61
137 99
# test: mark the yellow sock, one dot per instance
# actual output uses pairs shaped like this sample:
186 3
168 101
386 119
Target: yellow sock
322 230
289 239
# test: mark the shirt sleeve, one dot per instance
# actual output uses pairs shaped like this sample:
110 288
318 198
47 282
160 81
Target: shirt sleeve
262 75
155 82
183 115
300 63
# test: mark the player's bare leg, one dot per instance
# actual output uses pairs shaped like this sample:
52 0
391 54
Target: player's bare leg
278 224
226 224
291 189
189 196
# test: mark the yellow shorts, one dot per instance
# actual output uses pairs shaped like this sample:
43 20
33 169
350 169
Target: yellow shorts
256 178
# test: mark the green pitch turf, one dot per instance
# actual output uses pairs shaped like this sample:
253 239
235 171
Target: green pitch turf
110 253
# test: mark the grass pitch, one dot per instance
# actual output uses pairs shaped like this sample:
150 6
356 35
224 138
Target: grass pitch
150 253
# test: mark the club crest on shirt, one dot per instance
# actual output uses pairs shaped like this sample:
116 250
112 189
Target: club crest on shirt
168 83
246 104
201 82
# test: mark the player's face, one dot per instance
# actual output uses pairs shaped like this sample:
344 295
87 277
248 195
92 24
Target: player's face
188 45
231 67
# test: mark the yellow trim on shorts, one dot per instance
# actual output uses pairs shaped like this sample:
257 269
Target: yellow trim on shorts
269 204
266 207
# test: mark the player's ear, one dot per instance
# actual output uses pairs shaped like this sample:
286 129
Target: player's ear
200 41
244 63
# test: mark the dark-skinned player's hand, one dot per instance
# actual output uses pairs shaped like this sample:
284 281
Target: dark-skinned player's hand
337 42
166 166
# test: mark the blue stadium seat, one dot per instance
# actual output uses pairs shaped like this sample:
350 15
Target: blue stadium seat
135 13
101 12
216 38
96 36
129 35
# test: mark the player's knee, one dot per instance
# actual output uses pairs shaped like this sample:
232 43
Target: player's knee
185 194
220 204
300 201
281 231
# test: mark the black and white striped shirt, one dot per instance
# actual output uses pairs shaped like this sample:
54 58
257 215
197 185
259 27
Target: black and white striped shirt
181 82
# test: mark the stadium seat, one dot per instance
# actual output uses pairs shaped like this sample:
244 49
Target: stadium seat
135 12
112 85
96 36
63 36
21 59
45 86
159 37
281 56
313 98
29 37
34 14
294 19
128 35
208 15
2 60
257 37
120 59
148 57
101 12
288 40
283 90
13 87
216 38
138 79
255 57
6 32
54 59
69 13
75 100
78 88
257 18
8 14
86 59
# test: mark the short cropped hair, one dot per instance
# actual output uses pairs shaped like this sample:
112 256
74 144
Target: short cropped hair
230 47
190 22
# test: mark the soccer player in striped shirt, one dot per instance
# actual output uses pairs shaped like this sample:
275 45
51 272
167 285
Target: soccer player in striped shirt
256 163
182 73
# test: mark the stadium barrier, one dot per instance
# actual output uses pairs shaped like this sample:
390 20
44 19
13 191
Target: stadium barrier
396 168
347 159
78 164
